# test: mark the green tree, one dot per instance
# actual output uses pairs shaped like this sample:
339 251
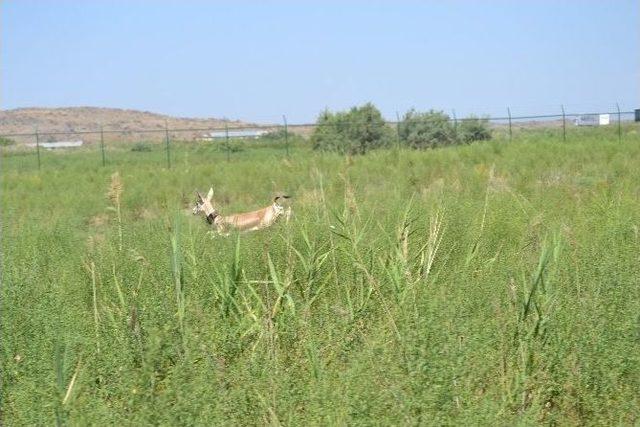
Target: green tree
353 132
426 130
474 129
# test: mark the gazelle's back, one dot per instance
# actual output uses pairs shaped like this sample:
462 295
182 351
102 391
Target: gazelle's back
246 220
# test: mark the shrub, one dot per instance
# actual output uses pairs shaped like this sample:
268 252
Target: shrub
141 147
328 135
275 134
426 130
5 142
474 129
279 136
354 132
434 128
232 147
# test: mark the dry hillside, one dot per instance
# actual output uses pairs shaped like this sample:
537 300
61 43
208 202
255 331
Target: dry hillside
125 122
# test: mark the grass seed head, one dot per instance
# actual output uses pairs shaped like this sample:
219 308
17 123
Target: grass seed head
115 189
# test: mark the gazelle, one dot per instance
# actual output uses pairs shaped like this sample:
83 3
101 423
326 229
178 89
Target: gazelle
248 221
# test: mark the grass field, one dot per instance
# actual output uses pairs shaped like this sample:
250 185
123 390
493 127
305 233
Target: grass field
490 284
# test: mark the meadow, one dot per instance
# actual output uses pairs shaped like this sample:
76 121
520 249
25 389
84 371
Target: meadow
496 283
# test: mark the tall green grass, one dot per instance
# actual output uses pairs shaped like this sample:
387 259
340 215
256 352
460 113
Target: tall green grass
487 284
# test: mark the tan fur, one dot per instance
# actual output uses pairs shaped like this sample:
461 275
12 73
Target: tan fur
248 221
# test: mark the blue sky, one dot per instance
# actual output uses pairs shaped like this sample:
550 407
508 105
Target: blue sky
259 60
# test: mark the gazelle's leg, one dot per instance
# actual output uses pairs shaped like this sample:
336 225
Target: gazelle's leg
287 214
224 231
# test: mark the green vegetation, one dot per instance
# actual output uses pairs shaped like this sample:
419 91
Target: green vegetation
362 129
5 142
435 128
142 147
426 130
487 284
356 131
473 129
279 136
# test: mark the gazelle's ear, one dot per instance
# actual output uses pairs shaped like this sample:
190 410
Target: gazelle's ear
210 194
199 196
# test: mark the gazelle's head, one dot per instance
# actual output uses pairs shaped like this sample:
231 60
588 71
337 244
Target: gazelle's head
203 204
278 197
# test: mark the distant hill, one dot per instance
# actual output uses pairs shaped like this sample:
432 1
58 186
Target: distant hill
74 119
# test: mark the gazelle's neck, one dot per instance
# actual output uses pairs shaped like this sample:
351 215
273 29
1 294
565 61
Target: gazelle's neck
211 218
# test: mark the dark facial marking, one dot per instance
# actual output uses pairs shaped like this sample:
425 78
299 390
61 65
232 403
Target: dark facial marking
211 217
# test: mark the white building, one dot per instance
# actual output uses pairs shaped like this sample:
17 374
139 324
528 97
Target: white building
587 120
58 144
242 133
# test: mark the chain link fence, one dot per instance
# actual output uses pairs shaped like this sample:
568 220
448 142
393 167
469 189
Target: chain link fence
169 146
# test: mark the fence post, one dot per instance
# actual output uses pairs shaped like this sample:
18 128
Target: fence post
226 138
38 147
102 145
564 125
166 133
398 129
455 123
286 134
619 123
510 132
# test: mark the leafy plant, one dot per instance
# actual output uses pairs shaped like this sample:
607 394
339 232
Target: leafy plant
426 130
5 142
356 131
473 129
486 284
141 147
